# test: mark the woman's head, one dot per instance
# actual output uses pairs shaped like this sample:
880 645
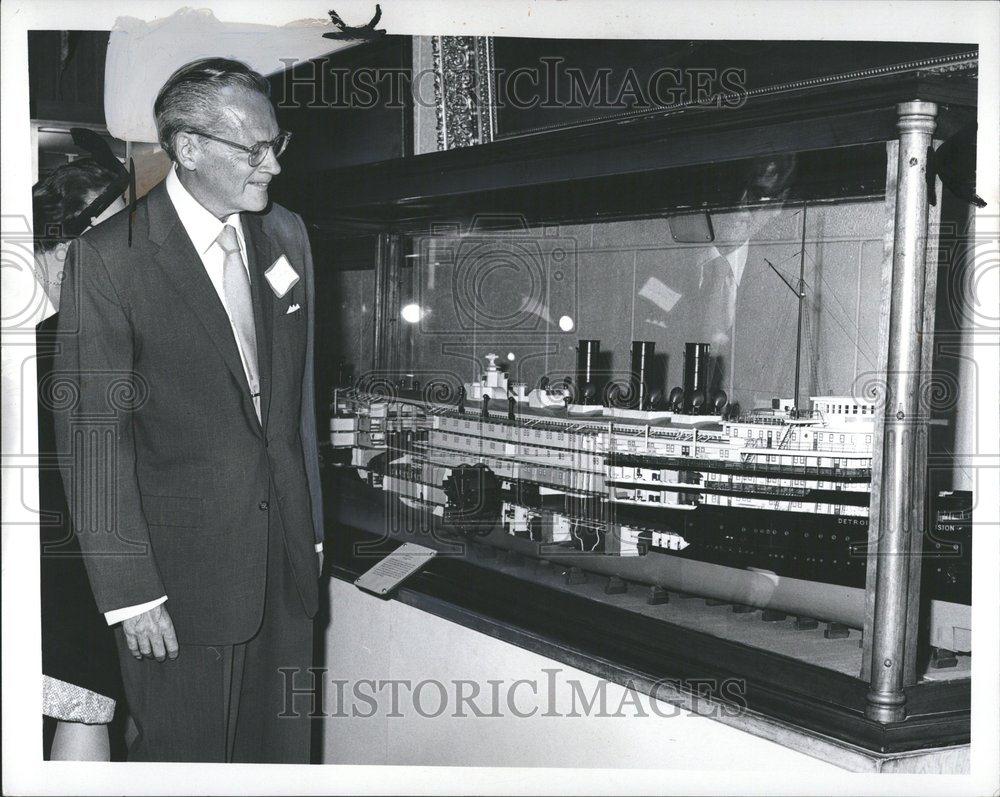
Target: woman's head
62 196
58 201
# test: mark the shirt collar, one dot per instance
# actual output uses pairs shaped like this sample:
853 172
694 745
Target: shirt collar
735 257
201 226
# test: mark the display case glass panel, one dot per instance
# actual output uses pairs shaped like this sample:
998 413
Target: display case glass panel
605 397
639 415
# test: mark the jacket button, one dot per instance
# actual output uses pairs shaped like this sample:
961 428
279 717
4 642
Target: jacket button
263 506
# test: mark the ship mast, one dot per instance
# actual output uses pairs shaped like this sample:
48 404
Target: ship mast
800 292
798 332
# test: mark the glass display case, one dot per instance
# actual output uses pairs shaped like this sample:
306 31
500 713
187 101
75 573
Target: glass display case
679 399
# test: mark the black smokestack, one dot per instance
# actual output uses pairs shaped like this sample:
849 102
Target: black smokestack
588 388
696 369
642 374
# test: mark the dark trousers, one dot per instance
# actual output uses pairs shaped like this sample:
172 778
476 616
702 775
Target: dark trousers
228 703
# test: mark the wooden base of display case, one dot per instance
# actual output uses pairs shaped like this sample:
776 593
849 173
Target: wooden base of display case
953 759
663 657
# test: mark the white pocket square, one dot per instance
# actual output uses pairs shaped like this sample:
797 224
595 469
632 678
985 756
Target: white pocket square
281 276
292 309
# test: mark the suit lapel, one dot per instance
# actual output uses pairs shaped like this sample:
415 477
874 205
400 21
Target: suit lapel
177 259
259 256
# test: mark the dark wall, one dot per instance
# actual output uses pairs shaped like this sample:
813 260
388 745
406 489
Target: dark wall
66 75
345 109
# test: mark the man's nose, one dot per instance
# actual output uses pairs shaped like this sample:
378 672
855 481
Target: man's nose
270 163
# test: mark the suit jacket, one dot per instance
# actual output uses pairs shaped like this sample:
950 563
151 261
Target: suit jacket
77 645
170 476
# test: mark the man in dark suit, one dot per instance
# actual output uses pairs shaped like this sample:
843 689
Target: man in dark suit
188 439
731 299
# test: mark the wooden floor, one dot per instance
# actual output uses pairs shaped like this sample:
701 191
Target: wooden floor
841 655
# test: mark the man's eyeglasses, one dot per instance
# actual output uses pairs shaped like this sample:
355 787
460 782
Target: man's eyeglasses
257 151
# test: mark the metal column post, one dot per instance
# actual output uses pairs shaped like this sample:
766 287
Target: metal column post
388 257
902 458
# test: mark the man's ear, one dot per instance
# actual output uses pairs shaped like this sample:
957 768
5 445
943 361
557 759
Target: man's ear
187 150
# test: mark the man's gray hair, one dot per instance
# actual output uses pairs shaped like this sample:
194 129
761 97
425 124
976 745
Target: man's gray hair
190 97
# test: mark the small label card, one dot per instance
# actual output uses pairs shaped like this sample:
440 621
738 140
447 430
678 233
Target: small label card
389 573
281 276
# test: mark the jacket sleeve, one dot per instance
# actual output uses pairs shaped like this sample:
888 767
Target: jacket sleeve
307 430
94 393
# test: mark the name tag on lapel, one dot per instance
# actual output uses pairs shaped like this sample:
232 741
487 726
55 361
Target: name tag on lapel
281 276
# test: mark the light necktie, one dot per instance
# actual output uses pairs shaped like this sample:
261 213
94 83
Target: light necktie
720 292
719 296
236 287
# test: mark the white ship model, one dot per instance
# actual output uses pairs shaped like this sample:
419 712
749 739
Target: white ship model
767 508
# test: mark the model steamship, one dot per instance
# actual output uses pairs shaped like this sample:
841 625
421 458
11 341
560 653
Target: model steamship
762 508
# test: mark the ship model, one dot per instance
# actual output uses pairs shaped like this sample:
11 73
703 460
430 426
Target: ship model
762 508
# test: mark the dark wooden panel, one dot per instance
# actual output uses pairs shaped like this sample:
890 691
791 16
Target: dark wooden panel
629 75
822 176
428 186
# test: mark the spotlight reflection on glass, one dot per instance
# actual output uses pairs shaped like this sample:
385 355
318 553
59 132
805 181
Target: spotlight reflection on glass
411 313
566 324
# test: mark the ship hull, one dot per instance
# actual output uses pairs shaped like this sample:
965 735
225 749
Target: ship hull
788 534
949 621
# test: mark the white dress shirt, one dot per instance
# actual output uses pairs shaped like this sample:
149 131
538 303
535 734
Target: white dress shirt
203 229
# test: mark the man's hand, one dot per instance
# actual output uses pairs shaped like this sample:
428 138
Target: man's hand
319 554
151 634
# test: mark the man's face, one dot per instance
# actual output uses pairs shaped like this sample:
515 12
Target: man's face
772 175
224 180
